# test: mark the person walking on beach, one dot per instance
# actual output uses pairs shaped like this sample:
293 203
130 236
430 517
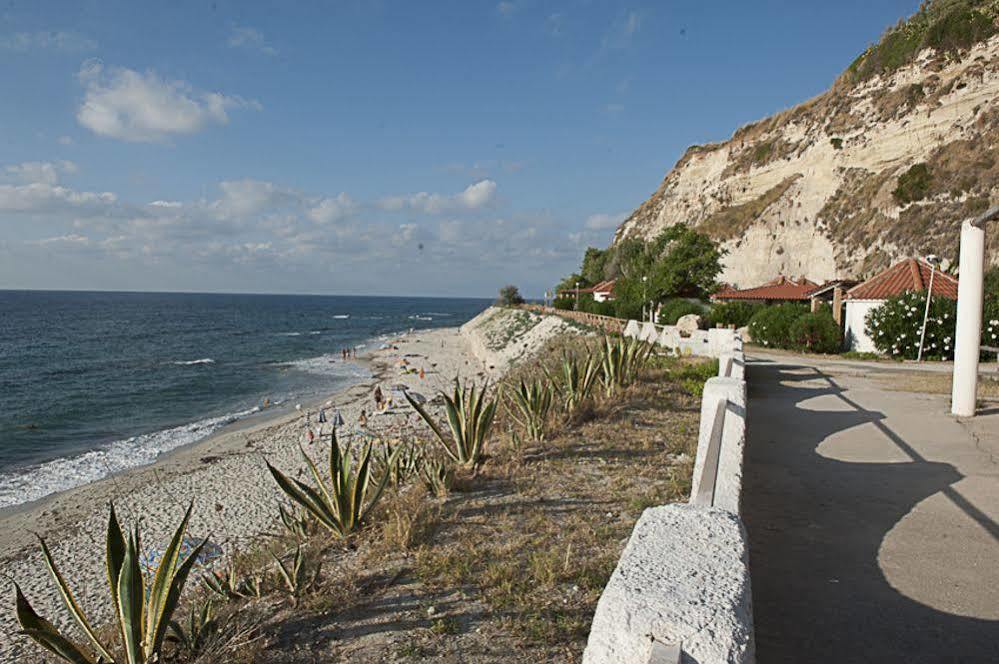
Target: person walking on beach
378 397
363 419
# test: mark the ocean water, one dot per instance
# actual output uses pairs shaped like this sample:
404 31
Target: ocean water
95 383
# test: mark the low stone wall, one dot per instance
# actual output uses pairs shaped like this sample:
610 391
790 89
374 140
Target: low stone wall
681 589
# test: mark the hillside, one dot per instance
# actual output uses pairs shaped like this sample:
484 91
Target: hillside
883 165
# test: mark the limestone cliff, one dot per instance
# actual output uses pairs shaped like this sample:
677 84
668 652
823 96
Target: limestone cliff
879 167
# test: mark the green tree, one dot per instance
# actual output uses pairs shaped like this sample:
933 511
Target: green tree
594 262
509 296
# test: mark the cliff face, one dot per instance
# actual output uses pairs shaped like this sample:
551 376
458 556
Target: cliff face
842 185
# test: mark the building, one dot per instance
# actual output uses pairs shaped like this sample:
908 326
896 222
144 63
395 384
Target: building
912 274
777 291
602 292
833 294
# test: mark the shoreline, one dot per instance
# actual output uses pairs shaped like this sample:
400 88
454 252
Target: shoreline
235 498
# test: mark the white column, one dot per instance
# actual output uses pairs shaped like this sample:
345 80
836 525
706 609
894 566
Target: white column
964 389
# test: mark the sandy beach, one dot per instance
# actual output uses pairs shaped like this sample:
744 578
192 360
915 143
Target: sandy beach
235 499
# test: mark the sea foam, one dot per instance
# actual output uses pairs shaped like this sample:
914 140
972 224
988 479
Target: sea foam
34 482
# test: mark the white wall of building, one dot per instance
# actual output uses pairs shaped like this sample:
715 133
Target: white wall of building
853 333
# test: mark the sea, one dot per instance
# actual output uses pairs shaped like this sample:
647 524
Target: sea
94 383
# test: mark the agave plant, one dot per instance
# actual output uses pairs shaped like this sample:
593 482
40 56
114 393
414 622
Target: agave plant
300 525
228 583
620 361
408 459
343 504
142 611
469 417
577 379
297 578
437 476
201 628
533 401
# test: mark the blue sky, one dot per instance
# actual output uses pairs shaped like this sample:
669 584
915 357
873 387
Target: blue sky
440 148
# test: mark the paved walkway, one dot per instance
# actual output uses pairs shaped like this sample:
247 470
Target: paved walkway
873 519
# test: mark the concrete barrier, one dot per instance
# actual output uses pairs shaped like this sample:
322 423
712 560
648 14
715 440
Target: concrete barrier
682 583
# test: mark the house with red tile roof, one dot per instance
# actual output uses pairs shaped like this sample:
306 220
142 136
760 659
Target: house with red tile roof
912 274
601 292
777 291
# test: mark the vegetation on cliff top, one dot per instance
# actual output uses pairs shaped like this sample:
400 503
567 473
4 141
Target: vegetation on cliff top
949 26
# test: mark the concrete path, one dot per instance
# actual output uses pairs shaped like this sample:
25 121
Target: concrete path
873 519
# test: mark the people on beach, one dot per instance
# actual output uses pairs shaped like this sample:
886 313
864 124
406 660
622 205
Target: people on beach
362 420
423 374
378 397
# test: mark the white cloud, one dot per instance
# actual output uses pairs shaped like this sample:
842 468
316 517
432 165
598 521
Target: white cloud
65 140
506 8
330 210
474 197
251 38
131 106
602 221
166 204
45 197
43 172
57 40
242 198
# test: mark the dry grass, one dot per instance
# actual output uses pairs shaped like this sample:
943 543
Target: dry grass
508 567
940 383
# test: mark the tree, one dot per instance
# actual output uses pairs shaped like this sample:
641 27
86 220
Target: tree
679 262
594 264
509 296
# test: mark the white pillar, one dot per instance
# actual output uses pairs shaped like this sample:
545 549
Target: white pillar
964 389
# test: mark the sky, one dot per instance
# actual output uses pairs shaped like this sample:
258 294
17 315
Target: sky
394 148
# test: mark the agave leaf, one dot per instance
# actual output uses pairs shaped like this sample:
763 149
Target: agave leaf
379 488
315 471
164 575
131 593
433 425
71 603
296 494
45 634
175 588
115 555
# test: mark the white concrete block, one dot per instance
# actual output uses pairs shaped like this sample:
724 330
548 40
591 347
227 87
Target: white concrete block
649 332
728 479
683 578
632 329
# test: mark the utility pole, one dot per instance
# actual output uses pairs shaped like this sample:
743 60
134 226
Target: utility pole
933 260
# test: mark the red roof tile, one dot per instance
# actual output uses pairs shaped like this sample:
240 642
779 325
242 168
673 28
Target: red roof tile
912 274
781 288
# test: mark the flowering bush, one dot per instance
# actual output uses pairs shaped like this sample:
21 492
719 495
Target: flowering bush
895 327
771 326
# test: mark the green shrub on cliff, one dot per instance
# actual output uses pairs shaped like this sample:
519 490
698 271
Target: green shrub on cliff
913 184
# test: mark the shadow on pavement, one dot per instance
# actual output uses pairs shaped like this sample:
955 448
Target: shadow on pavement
815 528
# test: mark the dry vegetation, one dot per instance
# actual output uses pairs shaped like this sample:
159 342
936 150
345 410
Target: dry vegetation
508 565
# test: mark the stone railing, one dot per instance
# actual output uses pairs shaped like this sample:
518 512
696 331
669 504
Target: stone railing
681 590
605 323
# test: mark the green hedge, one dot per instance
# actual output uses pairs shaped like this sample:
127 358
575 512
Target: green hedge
771 326
736 312
816 332
672 310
